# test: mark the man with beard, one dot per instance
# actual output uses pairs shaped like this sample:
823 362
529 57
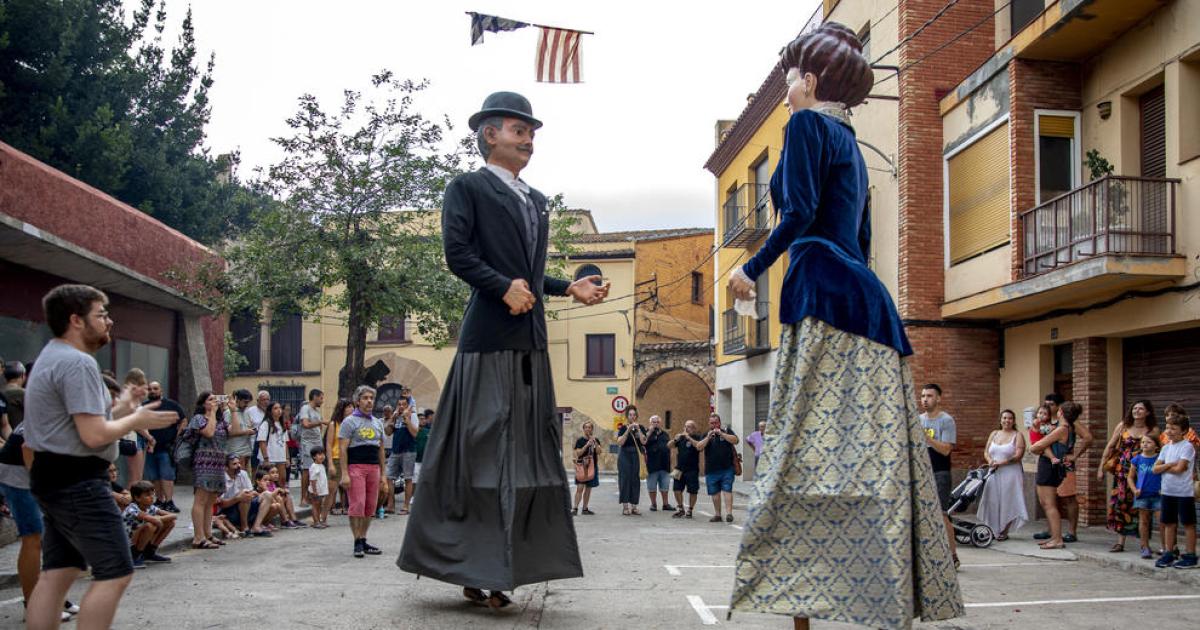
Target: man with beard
73 432
160 450
492 509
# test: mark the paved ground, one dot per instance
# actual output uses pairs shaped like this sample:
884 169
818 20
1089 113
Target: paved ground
641 572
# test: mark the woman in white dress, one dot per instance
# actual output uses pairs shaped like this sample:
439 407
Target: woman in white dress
1002 505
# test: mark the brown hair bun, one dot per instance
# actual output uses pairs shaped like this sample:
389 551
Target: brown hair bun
833 54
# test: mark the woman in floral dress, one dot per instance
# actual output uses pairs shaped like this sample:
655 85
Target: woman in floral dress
1124 444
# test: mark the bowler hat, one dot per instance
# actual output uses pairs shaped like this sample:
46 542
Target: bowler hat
507 105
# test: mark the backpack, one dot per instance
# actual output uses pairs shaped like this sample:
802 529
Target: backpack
185 447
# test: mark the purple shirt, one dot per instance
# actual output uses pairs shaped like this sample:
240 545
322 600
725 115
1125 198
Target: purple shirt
756 440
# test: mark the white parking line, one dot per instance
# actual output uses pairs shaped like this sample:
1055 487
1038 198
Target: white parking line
1004 564
1093 600
674 569
706 616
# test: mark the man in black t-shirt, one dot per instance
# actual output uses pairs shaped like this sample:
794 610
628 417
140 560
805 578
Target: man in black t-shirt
160 467
719 453
687 461
658 463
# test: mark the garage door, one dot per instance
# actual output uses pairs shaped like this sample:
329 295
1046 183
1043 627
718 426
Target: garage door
1164 368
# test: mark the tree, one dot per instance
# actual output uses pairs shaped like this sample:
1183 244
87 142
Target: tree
108 103
356 228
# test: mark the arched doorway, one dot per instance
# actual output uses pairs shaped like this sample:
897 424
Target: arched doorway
677 395
426 390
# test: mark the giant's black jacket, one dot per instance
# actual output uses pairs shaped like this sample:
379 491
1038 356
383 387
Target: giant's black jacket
483 233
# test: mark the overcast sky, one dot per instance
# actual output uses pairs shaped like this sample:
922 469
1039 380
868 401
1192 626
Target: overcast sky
629 143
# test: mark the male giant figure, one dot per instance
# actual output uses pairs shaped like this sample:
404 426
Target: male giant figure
493 511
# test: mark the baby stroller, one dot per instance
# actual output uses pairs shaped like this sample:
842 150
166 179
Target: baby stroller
969 532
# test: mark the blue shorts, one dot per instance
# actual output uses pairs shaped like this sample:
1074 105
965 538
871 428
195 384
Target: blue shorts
719 481
24 509
1153 503
159 466
659 480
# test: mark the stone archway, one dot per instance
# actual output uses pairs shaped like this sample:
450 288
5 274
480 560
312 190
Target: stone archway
426 389
674 380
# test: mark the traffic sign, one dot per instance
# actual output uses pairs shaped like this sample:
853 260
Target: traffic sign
620 404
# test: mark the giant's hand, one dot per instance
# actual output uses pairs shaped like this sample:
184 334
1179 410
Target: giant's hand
587 291
518 297
740 285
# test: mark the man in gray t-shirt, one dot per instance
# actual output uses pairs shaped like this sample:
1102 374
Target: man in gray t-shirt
940 436
72 432
311 426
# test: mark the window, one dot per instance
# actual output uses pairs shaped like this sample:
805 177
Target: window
601 355
393 329
155 361
1188 122
290 397
247 338
589 270
1022 13
1058 160
977 195
285 342
697 287
762 403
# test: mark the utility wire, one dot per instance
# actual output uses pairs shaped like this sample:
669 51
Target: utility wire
921 29
942 47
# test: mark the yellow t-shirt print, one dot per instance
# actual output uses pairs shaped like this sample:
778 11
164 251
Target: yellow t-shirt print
368 433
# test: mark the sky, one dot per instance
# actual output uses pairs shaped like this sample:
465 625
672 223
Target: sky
629 143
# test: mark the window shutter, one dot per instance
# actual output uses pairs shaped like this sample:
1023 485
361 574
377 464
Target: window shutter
1056 126
1154 133
979 196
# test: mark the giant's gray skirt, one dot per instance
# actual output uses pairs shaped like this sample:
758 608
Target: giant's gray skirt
492 507
844 522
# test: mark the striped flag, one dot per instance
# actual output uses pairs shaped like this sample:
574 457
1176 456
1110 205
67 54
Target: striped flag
559 58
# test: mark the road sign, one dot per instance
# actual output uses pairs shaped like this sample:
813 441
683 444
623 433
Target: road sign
620 403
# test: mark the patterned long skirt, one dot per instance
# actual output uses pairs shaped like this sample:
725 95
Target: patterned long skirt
843 521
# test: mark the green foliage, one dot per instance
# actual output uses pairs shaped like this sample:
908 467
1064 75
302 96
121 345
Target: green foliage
234 361
1098 166
109 103
354 231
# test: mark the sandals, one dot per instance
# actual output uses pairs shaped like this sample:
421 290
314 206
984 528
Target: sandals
1001 537
474 595
204 544
1047 545
214 540
498 600
715 519
1116 548
586 511
635 512
625 512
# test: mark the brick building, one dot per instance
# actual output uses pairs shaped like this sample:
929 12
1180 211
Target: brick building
55 229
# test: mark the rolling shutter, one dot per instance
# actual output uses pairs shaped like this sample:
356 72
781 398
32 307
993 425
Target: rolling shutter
1163 368
978 181
1056 126
1154 133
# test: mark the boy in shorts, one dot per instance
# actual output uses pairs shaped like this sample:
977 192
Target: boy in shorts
147 525
1175 464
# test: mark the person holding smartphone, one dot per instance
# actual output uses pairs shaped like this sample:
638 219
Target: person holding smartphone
631 440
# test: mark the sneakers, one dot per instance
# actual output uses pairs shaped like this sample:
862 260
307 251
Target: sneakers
1186 561
70 608
1167 559
138 562
358 547
1042 536
171 507
715 519
1069 538
653 508
689 514
369 549
150 554
1146 553
728 518
678 513
587 512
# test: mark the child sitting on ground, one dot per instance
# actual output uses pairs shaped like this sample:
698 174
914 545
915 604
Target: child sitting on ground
1145 484
147 525
221 522
284 496
1175 464
318 486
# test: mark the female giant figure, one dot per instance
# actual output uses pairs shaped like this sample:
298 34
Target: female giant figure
844 521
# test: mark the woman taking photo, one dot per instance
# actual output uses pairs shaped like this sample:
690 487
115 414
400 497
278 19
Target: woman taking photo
208 467
1122 446
842 390
1002 504
631 439
587 446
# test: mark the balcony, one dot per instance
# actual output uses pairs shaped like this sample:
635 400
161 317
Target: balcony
746 215
1109 236
1132 216
746 336
1075 30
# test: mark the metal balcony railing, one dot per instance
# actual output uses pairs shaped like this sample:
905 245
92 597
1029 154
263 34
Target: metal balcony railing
746 335
746 215
1112 215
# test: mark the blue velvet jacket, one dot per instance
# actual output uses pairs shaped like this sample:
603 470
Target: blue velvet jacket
820 192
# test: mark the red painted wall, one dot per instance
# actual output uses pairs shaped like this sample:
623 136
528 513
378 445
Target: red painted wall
88 218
